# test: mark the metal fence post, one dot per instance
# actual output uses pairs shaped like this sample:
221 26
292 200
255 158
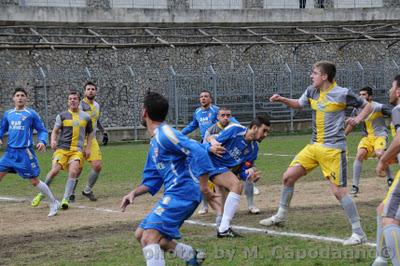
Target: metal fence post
290 96
362 71
89 75
174 89
253 88
46 111
135 102
214 75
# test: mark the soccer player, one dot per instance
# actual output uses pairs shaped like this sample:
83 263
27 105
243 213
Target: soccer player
203 117
375 137
20 156
239 146
388 212
167 165
72 128
328 143
92 108
224 115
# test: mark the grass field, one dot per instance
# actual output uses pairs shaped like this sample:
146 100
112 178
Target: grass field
97 234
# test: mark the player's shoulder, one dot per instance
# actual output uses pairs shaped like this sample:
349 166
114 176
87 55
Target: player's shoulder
396 109
235 127
166 132
84 115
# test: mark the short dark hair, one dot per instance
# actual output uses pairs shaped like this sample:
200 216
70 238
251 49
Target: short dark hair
20 89
75 93
90 83
209 93
156 106
260 120
328 68
368 90
224 109
397 79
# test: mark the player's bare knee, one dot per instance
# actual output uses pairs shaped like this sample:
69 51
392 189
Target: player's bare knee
139 234
35 181
361 154
388 221
379 209
237 187
288 180
96 166
149 238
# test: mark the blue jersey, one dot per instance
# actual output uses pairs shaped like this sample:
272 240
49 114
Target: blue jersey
238 150
20 126
202 119
168 164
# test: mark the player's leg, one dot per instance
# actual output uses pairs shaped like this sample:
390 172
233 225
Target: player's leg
183 251
95 160
249 192
220 207
380 146
74 168
45 190
381 249
55 168
391 231
229 181
291 175
152 252
362 154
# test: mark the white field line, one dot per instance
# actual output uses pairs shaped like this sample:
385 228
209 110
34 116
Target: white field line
237 227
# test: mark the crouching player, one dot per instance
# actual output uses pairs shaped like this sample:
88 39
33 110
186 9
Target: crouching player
167 164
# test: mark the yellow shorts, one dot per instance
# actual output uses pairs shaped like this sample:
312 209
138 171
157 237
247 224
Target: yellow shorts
392 200
372 144
95 152
333 162
211 185
64 158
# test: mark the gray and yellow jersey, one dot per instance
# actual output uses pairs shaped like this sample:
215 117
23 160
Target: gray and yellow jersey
93 110
328 113
374 125
74 126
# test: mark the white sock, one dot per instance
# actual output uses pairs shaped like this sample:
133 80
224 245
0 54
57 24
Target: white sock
230 207
184 252
281 213
153 255
46 191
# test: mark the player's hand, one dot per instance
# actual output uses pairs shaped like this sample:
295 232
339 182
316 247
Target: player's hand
53 145
255 177
217 149
87 152
213 141
128 199
275 98
352 121
381 169
105 139
41 147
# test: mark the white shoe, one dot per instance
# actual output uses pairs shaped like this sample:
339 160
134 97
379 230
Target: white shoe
203 210
380 261
273 220
256 191
254 210
54 208
355 239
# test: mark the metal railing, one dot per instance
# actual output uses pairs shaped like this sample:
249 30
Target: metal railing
244 89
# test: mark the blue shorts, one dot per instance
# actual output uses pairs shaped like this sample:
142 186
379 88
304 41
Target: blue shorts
217 171
22 161
168 215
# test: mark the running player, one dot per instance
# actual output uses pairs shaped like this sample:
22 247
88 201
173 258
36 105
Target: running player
20 156
328 143
167 165
388 212
73 127
375 137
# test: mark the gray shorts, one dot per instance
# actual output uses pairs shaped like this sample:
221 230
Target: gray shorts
392 200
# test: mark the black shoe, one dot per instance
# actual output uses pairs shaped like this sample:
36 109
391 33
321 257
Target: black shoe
72 198
89 195
390 182
198 258
227 233
354 190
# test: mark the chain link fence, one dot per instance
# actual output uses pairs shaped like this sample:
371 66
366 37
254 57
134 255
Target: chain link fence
245 89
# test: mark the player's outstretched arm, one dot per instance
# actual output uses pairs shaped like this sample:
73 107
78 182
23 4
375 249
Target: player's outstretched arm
366 111
389 157
129 198
292 103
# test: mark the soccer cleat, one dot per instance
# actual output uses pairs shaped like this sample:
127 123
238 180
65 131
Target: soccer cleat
355 239
227 233
203 210
380 261
72 198
254 210
89 195
354 190
64 204
36 200
54 208
390 182
198 258
256 191
273 220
